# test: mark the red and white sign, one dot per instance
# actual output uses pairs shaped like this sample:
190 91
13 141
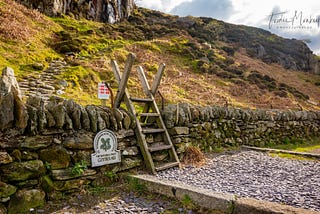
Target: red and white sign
103 91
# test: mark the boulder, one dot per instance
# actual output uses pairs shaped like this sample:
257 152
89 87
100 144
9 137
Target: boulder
67 174
92 113
36 142
25 199
82 155
42 120
58 111
170 115
179 131
126 164
105 117
130 151
74 112
101 123
85 120
13 111
32 128
119 117
126 120
79 141
5 158
57 157
68 122
6 190
22 171
50 119
49 186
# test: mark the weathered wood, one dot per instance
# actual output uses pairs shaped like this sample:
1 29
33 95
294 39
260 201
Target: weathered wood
167 166
146 89
143 80
140 100
116 70
159 148
151 131
157 79
149 114
138 130
157 127
124 80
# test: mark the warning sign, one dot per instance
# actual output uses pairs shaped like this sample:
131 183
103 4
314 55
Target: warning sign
103 91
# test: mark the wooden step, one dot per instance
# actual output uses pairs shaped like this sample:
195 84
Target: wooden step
140 100
158 147
164 166
151 131
149 114
147 124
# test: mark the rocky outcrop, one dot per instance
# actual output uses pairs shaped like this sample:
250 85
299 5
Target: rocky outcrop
289 53
109 11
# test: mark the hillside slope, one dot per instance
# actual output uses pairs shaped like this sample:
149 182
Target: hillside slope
205 63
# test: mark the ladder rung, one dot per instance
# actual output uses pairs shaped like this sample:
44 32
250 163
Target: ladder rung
146 124
150 131
159 148
140 100
149 114
166 166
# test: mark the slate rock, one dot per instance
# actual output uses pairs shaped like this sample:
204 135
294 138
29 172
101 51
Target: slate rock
57 157
22 171
80 140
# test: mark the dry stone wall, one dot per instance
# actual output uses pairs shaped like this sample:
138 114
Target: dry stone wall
49 154
212 126
46 145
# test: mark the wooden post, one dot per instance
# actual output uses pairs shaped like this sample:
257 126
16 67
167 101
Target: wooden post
124 80
143 80
116 70
157 79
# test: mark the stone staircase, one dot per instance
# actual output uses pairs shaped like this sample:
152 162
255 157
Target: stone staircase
46 83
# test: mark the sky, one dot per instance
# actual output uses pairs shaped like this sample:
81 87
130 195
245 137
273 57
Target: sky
290 19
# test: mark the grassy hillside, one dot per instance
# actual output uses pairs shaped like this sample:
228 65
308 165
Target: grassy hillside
202 67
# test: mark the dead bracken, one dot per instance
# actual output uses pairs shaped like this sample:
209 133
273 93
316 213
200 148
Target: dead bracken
194 156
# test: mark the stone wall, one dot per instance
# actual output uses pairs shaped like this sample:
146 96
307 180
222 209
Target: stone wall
109 11
46 146
212 126
48 154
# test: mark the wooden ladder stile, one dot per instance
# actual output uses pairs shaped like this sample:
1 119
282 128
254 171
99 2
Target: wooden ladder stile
148 122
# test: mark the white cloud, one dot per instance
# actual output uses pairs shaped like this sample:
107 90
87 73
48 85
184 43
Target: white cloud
161 5
219 9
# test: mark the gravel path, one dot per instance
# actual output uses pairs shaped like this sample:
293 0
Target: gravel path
256 175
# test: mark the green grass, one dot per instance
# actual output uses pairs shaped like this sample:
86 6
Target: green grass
291 156
298 145
307 148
